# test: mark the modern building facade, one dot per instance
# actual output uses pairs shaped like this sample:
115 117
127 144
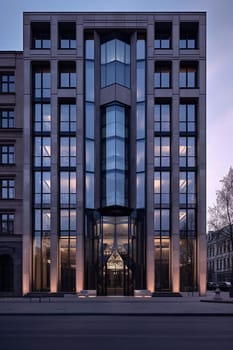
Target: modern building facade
219 256
113 162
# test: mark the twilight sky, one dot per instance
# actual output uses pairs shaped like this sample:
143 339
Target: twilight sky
219 61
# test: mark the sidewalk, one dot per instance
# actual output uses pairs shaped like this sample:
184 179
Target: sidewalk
73 305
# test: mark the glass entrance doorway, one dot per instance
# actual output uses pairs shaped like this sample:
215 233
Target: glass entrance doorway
116 260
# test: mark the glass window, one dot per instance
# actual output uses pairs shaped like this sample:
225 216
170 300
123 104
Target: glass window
67 35
162 76
161 188
141 82
161 151
188 75
89 79
90 186
141 49
42 187
42 82
162 117
40 35
90 49
187 187
114 155
188 35
90 161
67 222
140 160
7 81
163 35
7 154
89 127
68 117
140 194
7 118
187 152
187 117
141 121
67 187
161 221
115 63
7 187
187 220
42 117
68 151
42 151
67 75
7 223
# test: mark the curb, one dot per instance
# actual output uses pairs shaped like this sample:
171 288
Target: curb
136 314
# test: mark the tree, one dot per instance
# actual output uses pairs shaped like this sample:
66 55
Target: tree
221 214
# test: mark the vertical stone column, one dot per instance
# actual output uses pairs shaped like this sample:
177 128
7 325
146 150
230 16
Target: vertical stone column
54 250
175 249
175 246
80 160
27 224
201 200
150 265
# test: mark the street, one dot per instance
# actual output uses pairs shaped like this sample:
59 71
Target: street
115 332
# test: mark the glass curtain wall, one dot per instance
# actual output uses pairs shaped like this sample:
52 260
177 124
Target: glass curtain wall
115 156
140 121
162 173
67 202
187 162
115 63
41 125
89 122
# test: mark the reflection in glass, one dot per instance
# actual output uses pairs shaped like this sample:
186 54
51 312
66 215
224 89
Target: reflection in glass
115 63
67 187
67 151
68 117
41 261
162 263
161 187
68 222
187 151
114 155
188 261
162 117
140 161
161 151
67 258
42 187
42 151
187 187
141 81
187 117
140 186
161 221
140 120
42 117
89 78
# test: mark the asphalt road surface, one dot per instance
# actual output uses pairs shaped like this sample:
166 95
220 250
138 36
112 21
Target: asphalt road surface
115 332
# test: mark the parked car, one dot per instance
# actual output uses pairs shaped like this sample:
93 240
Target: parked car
211 285
224 285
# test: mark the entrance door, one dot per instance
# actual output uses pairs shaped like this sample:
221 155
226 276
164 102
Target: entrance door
115 274
115 256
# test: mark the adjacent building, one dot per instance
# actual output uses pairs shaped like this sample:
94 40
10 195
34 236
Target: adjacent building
105 186
219 256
